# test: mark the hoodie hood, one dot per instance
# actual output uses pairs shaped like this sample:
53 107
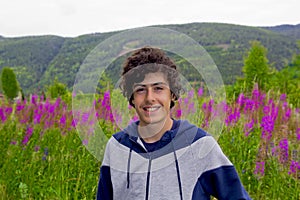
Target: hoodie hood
182 134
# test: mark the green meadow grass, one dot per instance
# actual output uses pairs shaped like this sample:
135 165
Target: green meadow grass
55 164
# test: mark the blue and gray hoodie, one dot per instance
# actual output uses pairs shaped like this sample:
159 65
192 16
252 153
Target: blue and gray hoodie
186 163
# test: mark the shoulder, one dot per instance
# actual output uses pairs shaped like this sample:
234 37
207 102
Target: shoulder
194 131
125 140
120 135
122 138
200 134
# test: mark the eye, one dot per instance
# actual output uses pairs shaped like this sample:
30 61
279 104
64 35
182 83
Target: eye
140 90
158 88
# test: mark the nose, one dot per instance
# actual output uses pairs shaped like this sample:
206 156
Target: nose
150 96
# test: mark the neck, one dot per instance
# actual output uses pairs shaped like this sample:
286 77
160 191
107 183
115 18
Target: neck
153 132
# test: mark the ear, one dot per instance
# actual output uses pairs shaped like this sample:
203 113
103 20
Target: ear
173 97
131 101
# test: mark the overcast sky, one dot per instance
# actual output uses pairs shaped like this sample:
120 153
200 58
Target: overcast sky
77 17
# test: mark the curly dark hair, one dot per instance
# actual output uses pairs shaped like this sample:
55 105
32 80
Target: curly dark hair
149 60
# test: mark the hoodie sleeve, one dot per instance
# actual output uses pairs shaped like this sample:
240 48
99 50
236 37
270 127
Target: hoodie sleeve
220 178
223 183
105 189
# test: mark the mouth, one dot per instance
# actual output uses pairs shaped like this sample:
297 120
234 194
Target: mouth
151 108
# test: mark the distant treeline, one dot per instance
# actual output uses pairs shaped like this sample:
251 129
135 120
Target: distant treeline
38 60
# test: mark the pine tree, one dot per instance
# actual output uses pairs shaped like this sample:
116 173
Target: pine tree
10 85
256 68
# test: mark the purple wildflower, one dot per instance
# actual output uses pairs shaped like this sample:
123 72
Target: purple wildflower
62 120
204 106
260 168
266 110
191 94
8 110
2 115
34 99
37 118
268 121
200 92
233 117
267 125
298 133
284 147
249 105
294 167
248 127
19 107
74 122
51 108
106 99
57 102
241 99
85 142
178 113
287 114
111 117
186 100
210 105
85 117
255 94
28 134
108 108
282 97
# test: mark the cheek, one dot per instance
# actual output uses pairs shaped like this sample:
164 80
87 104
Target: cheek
137 99
166 100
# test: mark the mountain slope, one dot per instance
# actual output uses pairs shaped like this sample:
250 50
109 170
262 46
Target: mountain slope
38 60
286 29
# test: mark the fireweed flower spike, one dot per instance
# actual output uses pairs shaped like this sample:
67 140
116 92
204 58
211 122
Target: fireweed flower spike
248 127
294 168
284 150
27 136
260 168
298 134
2 115
200 92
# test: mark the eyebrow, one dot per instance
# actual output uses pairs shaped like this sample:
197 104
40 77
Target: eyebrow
152 84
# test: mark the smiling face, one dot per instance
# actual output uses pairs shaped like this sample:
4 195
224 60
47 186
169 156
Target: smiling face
152 99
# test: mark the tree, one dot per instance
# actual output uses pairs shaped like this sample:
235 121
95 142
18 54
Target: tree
256 68
57 89
10 85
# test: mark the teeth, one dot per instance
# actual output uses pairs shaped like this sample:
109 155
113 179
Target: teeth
151 109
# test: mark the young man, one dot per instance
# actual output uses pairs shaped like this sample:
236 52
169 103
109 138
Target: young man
158 157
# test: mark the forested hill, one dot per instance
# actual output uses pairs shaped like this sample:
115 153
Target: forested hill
37 60
288 30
